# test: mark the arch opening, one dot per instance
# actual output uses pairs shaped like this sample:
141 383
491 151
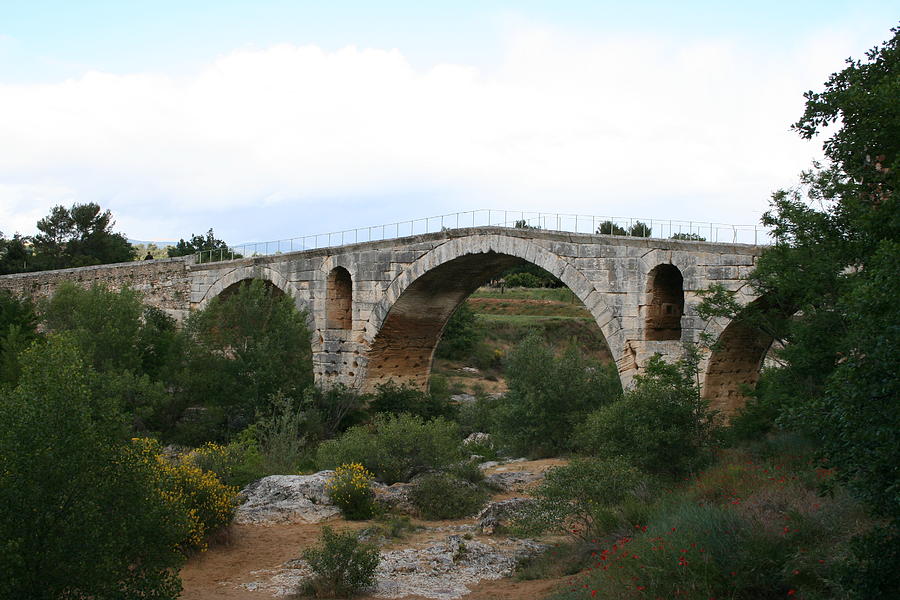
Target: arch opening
404 347
664 303
232 289
738 355
339 299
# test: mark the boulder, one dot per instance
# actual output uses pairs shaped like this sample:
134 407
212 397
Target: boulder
511 480
394 497
286 499
500 513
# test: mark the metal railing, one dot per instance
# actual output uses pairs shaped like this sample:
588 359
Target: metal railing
571 223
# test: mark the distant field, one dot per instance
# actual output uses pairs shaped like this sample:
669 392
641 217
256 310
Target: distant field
507 317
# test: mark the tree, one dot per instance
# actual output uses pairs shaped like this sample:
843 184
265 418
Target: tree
245 348
79 236
82 517
548 395
15 254
835 263
637 229
18 329
209 247
610 228
137 349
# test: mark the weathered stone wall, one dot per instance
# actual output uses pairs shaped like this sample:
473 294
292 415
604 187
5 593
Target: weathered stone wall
166 284
404 290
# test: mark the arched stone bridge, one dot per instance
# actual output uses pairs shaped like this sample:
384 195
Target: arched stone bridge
376 310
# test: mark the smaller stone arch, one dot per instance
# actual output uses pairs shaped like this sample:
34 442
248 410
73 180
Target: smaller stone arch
339 299
269 275
664 303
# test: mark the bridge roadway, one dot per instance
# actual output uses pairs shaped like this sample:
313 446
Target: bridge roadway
376 310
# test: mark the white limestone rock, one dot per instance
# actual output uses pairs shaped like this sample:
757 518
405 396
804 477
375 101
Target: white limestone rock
286 499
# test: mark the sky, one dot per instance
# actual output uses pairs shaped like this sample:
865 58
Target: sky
273 119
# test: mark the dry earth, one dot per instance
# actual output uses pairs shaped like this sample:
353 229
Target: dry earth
255 561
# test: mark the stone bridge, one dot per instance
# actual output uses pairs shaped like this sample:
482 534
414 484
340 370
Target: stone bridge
376 310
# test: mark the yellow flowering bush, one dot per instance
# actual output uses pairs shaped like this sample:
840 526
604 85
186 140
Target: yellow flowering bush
208 504
350 488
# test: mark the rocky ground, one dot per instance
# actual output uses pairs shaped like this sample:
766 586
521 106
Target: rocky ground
442 560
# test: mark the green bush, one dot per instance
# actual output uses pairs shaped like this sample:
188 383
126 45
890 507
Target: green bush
462 332
350 488
81 515
478 416
661 426
246 348
549 395
342 565
395 447
393 398
527 280
584 498
237 463
444 496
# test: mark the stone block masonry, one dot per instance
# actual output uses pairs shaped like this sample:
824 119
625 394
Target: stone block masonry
376 310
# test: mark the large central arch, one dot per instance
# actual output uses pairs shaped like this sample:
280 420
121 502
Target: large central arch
407 323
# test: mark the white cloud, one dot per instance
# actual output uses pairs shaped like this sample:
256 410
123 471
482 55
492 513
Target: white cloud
625 126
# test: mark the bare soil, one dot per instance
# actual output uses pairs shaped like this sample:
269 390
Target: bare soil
245 550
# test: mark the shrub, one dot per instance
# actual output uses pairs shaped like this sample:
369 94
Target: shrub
395 447
583 498
351 490
527 280
444 496
81 515
661 426
283 437
208 503
392 398
246 348
460 335
235 464
549 395
342 565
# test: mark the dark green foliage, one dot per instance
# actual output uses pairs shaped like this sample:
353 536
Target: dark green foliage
549 395
583 499
393 398
330 411
18 328
76 237
636 229
691 237
134 350
529 275
639 229
245 349
104 323
661 426
610 228
523 280
161 345
208 248
461 334
342 565
15 254
835 264
444 496
395 447
80 518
